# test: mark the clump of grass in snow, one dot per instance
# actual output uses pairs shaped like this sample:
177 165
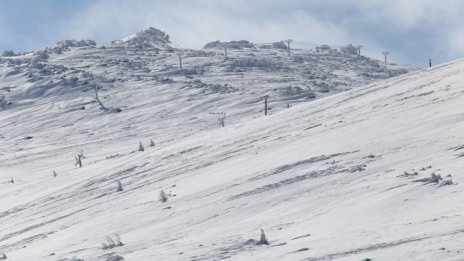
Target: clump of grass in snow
112 242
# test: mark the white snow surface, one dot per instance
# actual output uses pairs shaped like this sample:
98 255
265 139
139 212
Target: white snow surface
344 176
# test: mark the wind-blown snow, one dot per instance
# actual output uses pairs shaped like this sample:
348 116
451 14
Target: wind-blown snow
337 177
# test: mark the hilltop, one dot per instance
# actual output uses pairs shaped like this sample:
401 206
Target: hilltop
357 159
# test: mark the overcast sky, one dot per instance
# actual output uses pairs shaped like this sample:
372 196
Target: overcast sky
412 30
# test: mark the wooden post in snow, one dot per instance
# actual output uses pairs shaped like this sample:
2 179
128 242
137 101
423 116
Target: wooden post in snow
265 103
179 53
225 51
385 54
288 45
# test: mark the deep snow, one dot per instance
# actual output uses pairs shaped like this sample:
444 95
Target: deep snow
339 177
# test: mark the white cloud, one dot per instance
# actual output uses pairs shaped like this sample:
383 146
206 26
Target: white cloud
195 23
410 29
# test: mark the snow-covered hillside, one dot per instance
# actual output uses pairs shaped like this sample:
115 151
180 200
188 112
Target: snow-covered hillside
370 173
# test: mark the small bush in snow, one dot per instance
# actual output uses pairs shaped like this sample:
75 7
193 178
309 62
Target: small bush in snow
112 242
11 180
119 186
141 148
2 256
263 239
163 197
54 174
152 143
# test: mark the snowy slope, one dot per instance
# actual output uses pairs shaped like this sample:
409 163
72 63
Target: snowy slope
330 179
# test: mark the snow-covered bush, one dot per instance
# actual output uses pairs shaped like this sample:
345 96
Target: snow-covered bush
114 257
193 71
163 197
65 45
199 53
240 44
311 95
349 49
263 239
4 102
112 241
291 90
434 178
2 256
324 49
8 53
141 148
75 43
119 186
230 45
41 54
279 45
215 44
447 182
